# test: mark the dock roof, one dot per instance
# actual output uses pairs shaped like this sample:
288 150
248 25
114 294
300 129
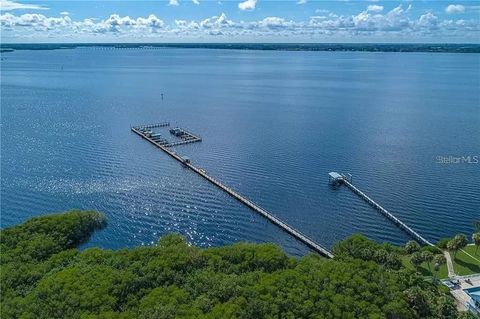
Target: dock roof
335 175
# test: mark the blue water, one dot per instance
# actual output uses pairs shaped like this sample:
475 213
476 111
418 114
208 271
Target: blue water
273 125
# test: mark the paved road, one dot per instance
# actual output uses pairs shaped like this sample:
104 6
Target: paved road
451 271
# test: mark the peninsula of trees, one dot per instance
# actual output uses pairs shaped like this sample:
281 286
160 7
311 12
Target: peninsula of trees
44 275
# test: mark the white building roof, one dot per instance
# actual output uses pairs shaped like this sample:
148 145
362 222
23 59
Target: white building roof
335 175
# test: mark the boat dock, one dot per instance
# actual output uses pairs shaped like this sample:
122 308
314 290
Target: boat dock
186 162
162 124
336 178
185 136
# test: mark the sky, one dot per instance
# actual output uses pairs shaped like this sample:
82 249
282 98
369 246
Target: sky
321 21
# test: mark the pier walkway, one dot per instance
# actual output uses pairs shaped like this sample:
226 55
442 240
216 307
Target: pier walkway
182 142
162 124
342 179
290 230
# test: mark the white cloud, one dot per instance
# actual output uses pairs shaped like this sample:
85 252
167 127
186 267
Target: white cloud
196 2
455 8
151 21
247 5
114 23
173 2
216 22
65 13
301 1
186 27
7 5
375 25
375 8
275 23
33 20
428 20
394 20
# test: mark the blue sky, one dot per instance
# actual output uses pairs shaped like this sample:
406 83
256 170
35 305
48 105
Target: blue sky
240 21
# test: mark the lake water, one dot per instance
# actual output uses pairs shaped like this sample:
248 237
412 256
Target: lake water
273 125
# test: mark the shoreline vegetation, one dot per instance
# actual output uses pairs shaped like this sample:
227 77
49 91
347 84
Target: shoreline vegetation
342 47
45 275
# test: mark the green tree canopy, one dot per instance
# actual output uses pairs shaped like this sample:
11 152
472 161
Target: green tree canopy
439 259
411 247
458 242
360 247
476 240
416 259
44 275
427 256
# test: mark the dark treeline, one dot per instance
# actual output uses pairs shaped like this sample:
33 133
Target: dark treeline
367 47
44 275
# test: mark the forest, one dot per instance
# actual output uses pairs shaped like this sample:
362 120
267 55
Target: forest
45 275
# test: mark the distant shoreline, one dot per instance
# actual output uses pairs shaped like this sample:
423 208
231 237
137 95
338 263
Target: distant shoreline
342 47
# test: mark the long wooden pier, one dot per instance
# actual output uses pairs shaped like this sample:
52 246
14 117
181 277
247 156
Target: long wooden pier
342 179
295 233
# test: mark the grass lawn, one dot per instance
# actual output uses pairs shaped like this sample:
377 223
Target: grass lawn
423 269
464 264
